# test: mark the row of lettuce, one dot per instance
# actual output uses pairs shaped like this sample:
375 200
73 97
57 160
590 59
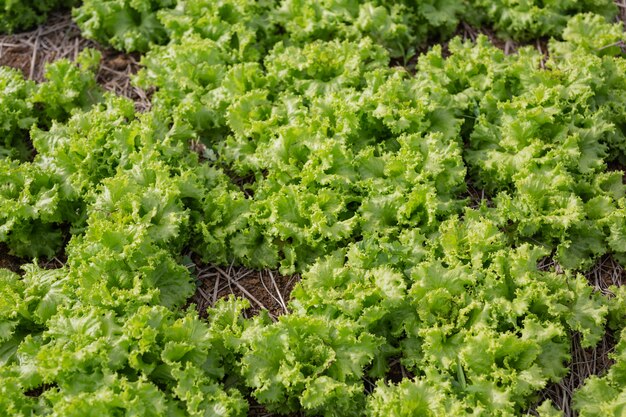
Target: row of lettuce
400 26
318 157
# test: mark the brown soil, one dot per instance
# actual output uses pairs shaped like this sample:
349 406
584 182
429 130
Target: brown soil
257 410
264 289
60 38
8 261
14 263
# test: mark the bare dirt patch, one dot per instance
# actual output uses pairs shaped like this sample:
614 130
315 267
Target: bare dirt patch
8 261
265 289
